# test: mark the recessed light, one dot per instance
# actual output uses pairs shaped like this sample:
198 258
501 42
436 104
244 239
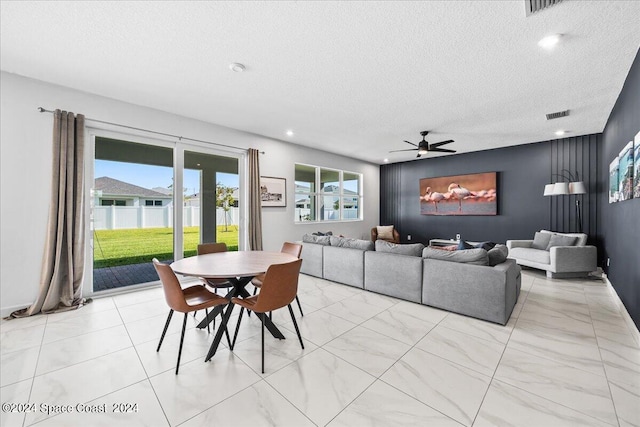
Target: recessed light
386 160
549 42
289 133
237 67
560 132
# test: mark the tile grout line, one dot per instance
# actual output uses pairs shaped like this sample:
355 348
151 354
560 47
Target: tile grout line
534 394
503 352
35 369
403 392
613 402
142 364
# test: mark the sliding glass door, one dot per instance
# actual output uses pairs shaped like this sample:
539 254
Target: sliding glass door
211 201
157 199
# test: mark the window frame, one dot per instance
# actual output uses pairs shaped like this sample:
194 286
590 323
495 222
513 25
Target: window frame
319 194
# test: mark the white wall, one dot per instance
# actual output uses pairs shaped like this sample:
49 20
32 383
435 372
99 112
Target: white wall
25 171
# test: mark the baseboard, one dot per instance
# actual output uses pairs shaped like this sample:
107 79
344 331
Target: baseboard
633 329
5 311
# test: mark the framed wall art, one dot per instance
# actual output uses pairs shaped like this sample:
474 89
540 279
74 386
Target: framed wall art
474 194
273 191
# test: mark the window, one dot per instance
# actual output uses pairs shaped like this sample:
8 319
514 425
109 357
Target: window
153 202
112 202
324 194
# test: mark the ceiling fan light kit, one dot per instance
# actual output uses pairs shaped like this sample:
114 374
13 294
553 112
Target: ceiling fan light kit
423 147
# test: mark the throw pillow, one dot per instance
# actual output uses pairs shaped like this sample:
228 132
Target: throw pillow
414 249
541 240
385 232
464 245
320 240
560 240
466 256
497 255
487 246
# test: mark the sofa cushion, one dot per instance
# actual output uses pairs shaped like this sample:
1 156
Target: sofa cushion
581 237
385 232
414 249
345 242
561 240
466 256
497 255
320 240
530 254
541 240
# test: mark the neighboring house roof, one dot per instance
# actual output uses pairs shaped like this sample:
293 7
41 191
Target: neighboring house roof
333 189
165 191
115 187
196 196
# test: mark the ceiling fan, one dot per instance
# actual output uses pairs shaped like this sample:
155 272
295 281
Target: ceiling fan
423 147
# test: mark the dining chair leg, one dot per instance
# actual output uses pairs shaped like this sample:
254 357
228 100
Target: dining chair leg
299 306
164 331
262 347
184 326
233 343
206 314
296 325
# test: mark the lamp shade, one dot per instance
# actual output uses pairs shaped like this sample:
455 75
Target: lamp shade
577 187
548 189
560 188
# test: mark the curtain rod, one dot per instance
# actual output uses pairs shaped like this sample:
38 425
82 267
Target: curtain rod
180 138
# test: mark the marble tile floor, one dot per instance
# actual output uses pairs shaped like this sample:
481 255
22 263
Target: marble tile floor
567 357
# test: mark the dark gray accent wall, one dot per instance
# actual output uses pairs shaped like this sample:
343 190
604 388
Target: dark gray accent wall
620 222
523 171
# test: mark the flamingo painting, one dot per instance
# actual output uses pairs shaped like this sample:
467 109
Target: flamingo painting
440 195
433 196
460 193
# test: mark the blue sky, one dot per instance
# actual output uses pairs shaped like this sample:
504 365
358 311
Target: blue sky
148 176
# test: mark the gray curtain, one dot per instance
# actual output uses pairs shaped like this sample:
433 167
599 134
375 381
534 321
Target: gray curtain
63 264
255 204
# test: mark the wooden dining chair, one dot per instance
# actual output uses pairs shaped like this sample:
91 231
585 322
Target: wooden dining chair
278 290
184 301
294 249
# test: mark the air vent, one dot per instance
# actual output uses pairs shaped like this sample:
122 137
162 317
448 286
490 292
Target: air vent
533 6
551 116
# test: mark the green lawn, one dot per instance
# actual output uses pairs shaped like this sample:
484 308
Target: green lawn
138 245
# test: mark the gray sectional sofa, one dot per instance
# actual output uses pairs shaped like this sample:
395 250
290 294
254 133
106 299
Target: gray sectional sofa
462 282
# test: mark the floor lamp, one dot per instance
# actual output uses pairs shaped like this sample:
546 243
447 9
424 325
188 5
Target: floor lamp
573 186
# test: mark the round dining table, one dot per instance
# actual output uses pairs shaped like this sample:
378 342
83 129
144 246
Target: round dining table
238 268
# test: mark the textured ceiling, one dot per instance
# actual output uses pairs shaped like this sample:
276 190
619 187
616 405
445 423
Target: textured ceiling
354 78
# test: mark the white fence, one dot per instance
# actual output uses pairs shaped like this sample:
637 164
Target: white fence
329 214
118 217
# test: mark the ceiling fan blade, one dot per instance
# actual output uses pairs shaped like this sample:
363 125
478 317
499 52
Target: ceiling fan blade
408 149
415 145
442 150
438 144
